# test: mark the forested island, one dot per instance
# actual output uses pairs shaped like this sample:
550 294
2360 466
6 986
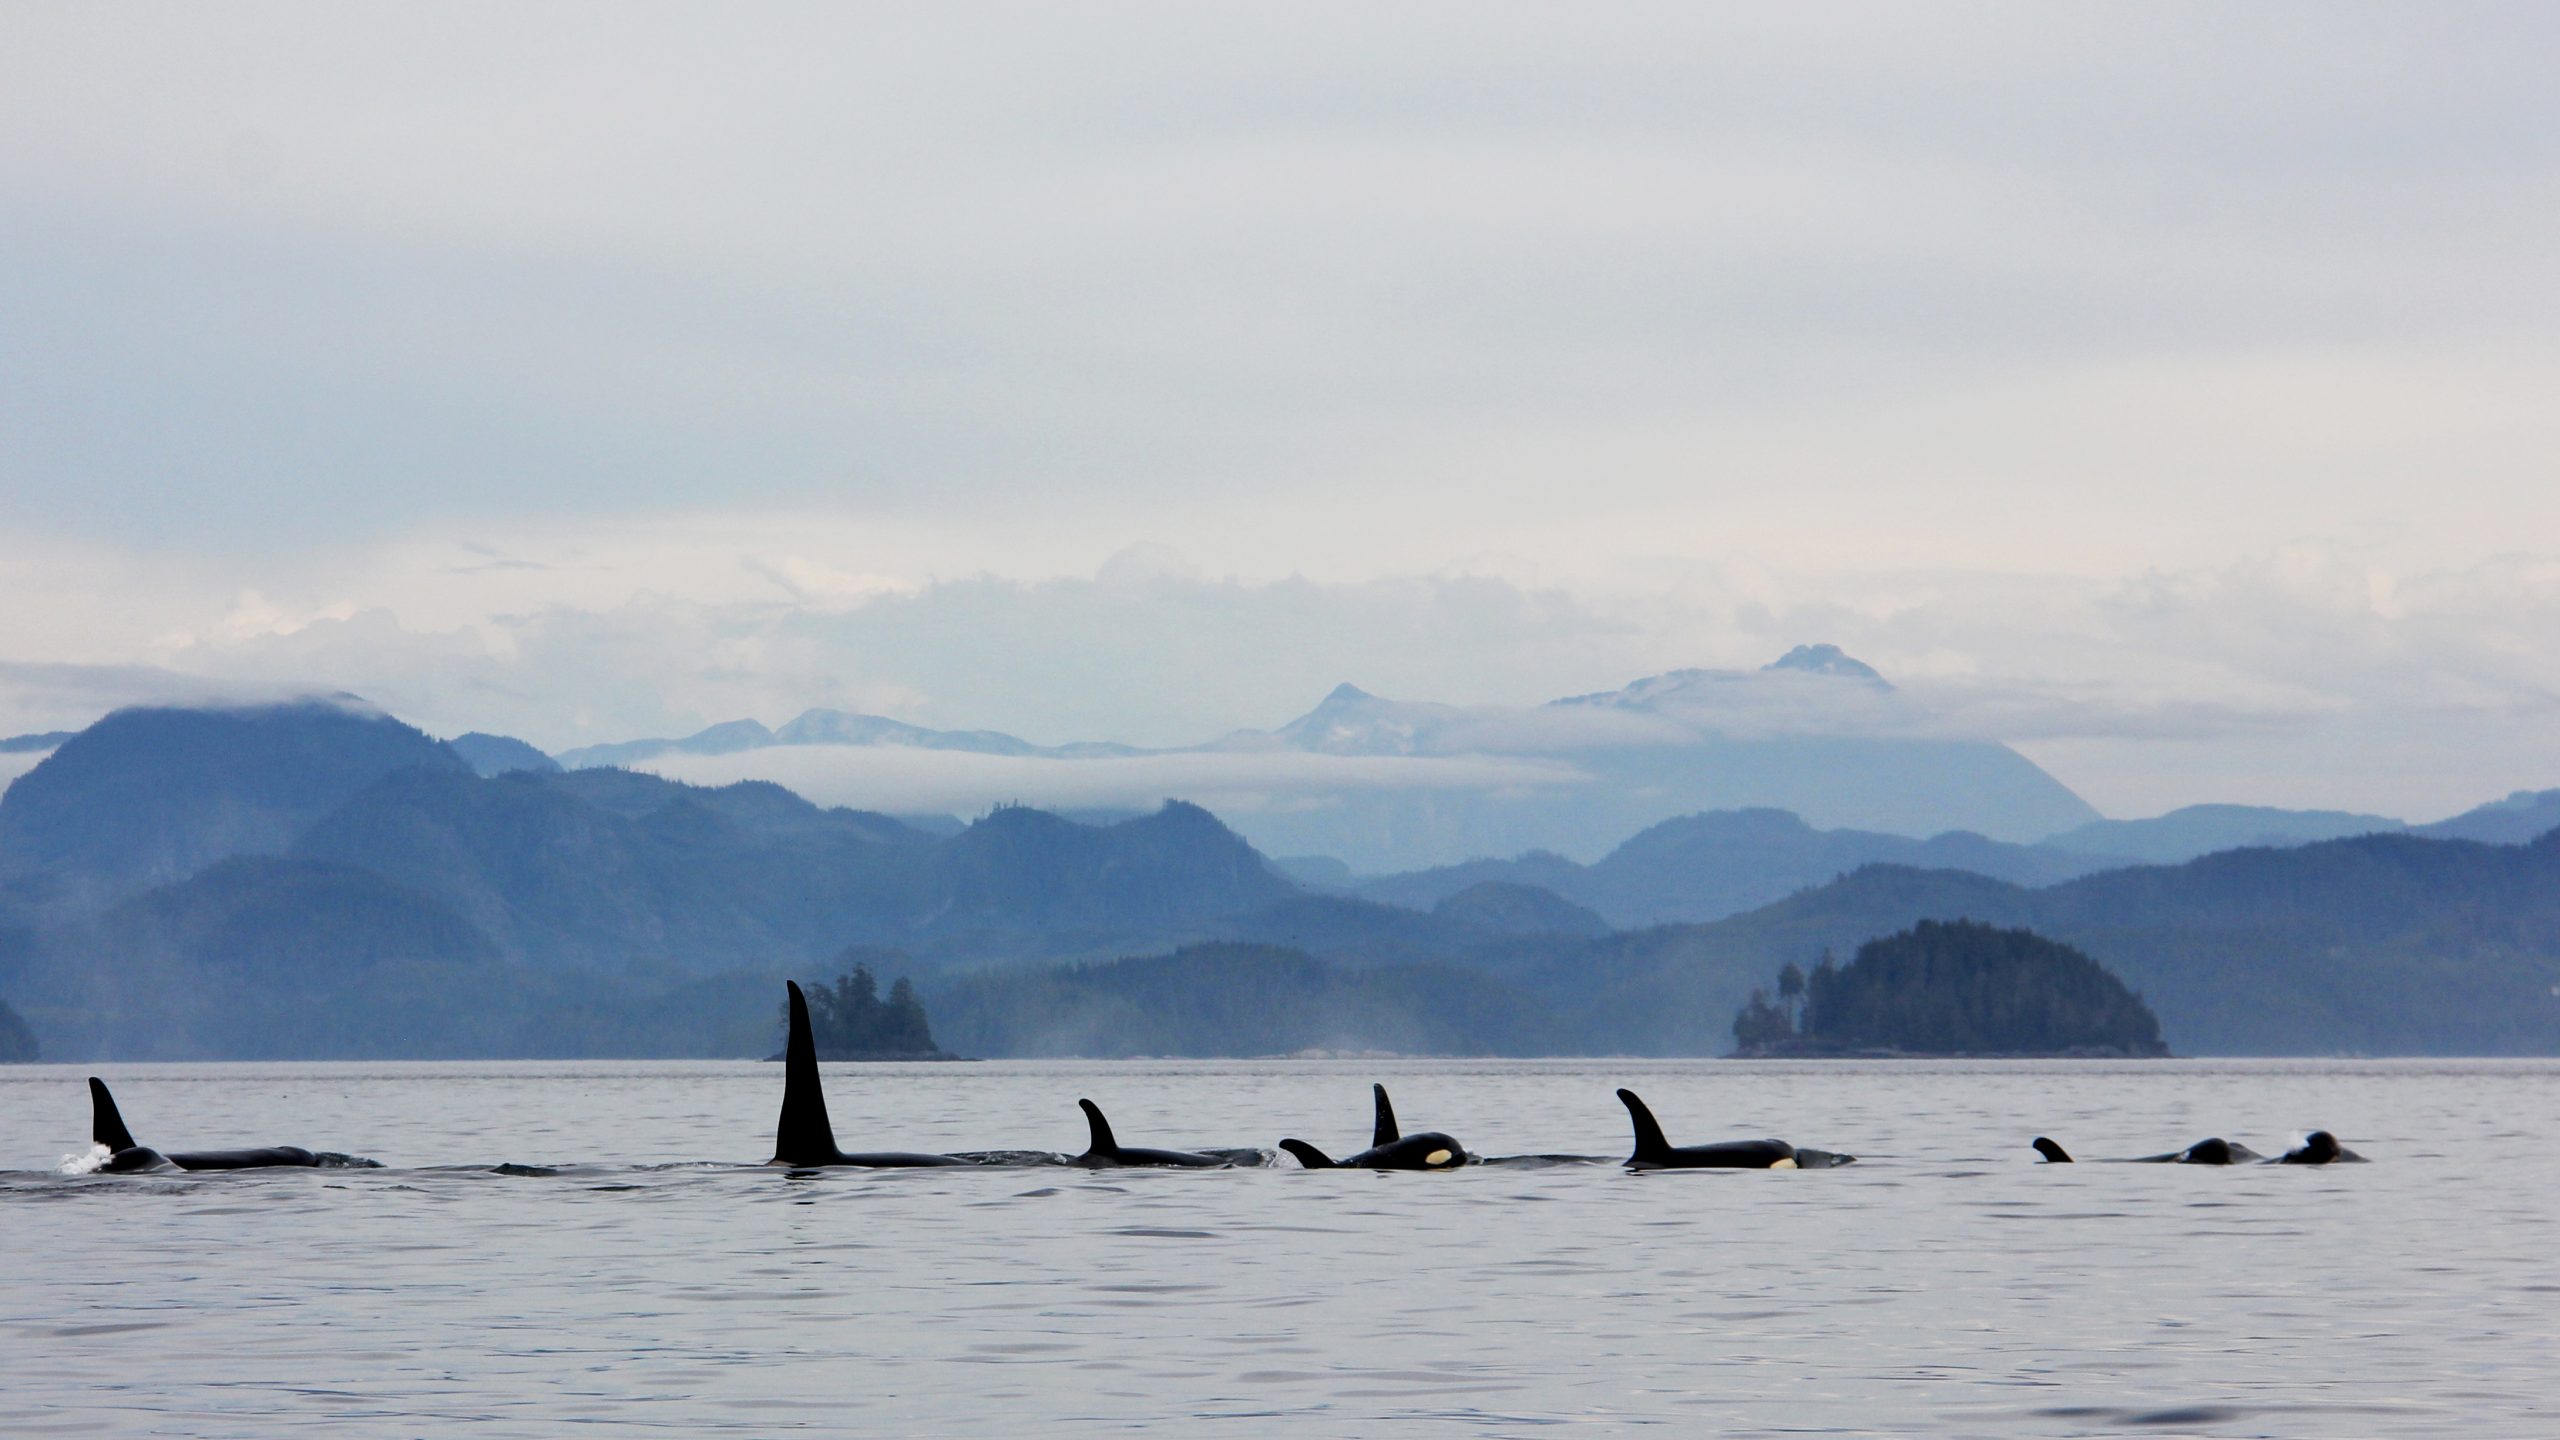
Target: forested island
1950 988
850 1021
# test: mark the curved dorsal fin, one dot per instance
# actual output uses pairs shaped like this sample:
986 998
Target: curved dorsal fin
1649 1141
106 1127
1386 1133
1308 1155
1102 1143
802 1136
2053 1153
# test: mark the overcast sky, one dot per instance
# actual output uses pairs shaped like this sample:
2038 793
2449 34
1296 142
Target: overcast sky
2164 389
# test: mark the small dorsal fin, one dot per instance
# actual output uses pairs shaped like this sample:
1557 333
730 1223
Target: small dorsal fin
1649 1141
1102 1145
803 1136
2054 1154
1308 1155
106 1126
1386 1133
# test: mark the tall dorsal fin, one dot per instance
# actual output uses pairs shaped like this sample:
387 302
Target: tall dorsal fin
1386 1133
1308 1155
106 1126
2053 1153
1649 1142
803 1136
1102 1143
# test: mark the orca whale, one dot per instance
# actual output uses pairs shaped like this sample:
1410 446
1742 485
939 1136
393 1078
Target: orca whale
2318 1148
803 1139
107 1128
1389 1149
1105 1151
1653 1152
2212 1151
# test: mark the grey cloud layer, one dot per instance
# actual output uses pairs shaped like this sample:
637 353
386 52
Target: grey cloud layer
2158 390
1979 280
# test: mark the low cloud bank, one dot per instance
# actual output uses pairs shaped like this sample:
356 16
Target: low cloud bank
2303 677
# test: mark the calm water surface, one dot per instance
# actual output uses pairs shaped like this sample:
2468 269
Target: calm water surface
1944 1285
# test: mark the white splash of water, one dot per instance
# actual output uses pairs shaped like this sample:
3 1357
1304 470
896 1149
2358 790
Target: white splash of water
88 1161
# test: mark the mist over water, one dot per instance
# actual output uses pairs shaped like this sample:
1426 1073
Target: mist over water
1945 1284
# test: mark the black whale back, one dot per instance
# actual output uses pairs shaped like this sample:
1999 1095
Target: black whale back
127 1156
2318 1148
1653 1152
1389 1147
1106 1149
263 1157
1427 1150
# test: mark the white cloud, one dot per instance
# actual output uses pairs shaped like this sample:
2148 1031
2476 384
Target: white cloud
41 696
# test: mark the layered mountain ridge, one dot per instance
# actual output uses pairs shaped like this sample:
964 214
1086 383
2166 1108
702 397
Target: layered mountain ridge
1816 732
319 879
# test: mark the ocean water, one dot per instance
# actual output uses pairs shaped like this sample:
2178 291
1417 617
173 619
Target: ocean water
661 1284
